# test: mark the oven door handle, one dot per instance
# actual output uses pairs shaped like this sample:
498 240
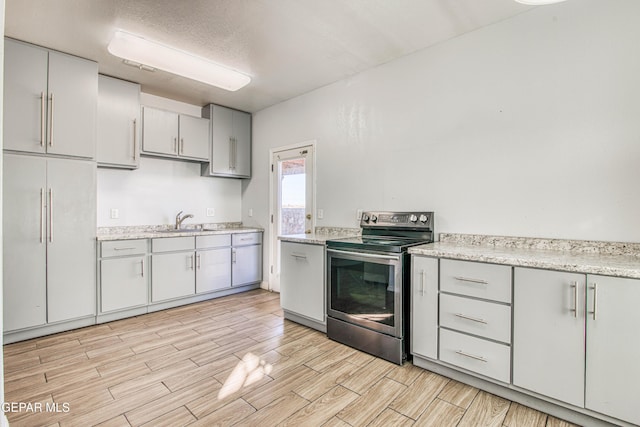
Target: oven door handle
365 255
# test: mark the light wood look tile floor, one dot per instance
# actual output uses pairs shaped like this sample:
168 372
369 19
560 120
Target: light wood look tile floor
233 361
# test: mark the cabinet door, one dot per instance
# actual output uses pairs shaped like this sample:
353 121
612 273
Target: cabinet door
302 288
25 291
242 138
613 348
213 270
424 307
548 334
73 101
71 248
159 131
194 137
221 143
25 96
123 283
246 265
118 123
173 275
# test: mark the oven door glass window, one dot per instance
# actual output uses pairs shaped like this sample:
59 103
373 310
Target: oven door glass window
365 291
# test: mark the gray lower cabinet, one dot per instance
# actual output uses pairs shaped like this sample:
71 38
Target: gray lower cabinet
173 266
124 275
549 334
424 307
213 266
302 284
246 258
52 98
230 132
118 123
49 241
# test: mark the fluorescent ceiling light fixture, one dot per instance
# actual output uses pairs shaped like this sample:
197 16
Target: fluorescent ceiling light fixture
538 2
149 54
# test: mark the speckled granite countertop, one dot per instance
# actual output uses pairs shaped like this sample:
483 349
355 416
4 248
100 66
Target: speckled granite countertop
592 257
155 231
321 235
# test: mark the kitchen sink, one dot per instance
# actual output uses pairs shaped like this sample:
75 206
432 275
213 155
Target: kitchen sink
184 230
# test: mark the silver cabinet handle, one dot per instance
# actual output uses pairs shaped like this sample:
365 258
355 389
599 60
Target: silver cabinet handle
181 146
135 137
233 256
467 279
235 153
595 301
473 319
51 120
574 286
123 249
199 257
423 278
192 262
472 356
42 215
43 119
142 267
50 215
175 145
299 256
230 153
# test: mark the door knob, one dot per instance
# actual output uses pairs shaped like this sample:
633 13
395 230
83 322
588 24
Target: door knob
308 216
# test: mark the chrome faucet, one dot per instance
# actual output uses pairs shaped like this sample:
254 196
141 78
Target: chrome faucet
180 219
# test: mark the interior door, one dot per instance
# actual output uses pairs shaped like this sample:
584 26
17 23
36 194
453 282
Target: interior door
293 193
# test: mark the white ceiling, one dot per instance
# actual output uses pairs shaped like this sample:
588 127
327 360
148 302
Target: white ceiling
288 47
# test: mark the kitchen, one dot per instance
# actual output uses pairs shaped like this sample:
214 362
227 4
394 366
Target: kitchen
525 127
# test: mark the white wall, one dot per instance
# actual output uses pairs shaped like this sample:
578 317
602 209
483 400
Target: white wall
160 188
529 127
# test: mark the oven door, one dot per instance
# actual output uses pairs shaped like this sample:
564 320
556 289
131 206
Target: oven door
366 289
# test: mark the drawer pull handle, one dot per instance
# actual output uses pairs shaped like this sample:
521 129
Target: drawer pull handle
142 268
299 256
474 319
123 249
467 279
595 302
574 286
423 278
472 356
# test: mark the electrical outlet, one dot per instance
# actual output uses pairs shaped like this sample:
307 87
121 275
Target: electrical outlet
211 212
250 212
114 214
320 213
359 214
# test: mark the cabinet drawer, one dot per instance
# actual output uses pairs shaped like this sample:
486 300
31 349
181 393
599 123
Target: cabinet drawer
241 239
476 279
124 247
486 319
475 354
172 244
213 241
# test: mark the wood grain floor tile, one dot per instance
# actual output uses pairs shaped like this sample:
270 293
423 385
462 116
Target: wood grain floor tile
413 401
371 403
458 394
181 367
440 414
486 410
521 416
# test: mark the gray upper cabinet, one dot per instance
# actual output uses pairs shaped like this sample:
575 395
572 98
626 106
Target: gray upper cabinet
230 142
169 134
49 240
53 99
118 123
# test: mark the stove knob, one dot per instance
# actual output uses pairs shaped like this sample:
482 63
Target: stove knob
413 218
424 218
374 218
365 218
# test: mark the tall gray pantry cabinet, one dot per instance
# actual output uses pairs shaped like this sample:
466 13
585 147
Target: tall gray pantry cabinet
49 191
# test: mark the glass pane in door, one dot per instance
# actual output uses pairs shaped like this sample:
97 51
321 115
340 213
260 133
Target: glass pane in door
293 196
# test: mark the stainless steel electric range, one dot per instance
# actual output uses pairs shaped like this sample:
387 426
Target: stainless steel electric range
368 280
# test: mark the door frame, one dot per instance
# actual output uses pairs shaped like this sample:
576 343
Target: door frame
273 235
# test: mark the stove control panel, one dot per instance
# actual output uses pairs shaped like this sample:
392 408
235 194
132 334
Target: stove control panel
397 219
